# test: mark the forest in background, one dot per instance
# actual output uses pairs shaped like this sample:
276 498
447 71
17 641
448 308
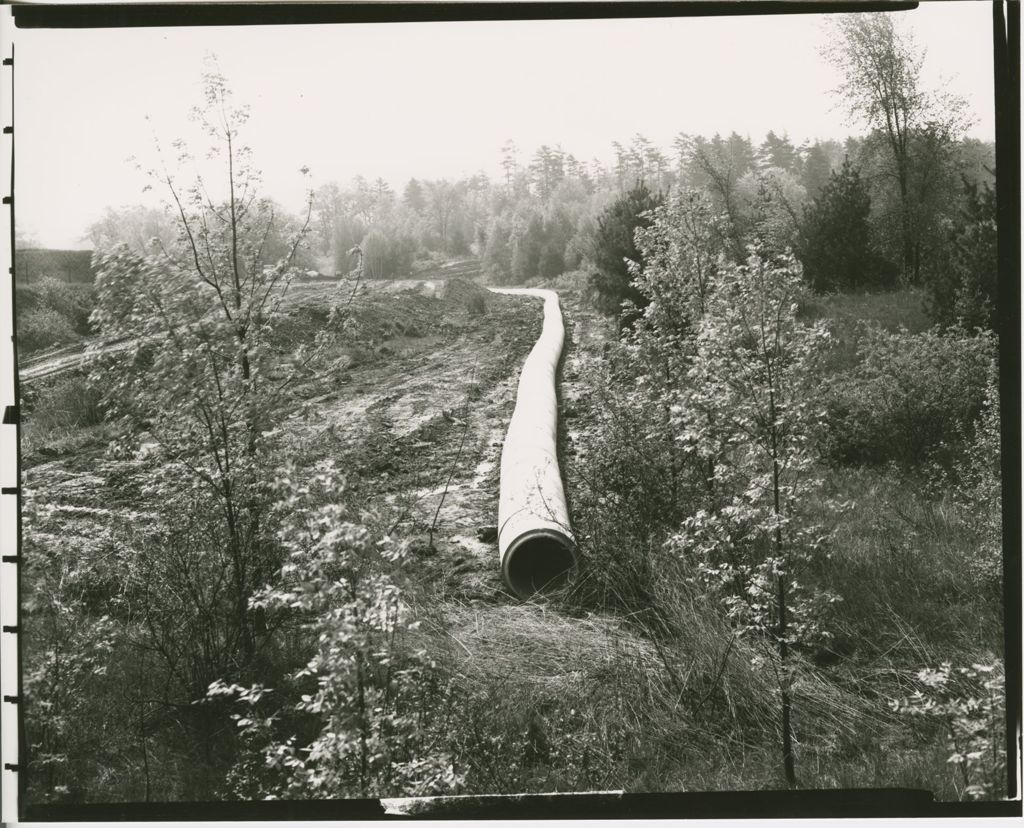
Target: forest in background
785 479
838 206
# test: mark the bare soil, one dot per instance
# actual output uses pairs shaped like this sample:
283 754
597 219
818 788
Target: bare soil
413 409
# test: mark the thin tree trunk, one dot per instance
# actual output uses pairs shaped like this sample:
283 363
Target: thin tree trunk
363 726
238 570
787 735
145 751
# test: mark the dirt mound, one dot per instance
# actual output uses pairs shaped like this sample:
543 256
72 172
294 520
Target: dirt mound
468 294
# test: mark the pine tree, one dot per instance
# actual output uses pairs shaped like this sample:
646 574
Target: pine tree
815 166
614 244
965 290
779 152
837 252
414 197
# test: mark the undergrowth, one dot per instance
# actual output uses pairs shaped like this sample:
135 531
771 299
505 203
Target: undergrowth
913 556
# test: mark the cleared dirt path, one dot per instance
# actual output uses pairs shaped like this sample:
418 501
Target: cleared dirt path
415 416
419 428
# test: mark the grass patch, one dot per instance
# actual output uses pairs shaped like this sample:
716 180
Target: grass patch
890 310
848 312
902 562
62 415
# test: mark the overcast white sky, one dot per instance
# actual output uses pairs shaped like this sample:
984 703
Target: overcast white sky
434 99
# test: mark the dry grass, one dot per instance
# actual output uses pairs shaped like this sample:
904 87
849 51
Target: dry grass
902 562
549 702
62 415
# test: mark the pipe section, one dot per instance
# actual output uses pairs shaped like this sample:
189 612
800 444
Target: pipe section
535 540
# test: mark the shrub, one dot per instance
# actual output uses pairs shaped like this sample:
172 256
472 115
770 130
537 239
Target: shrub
969 704
71 301
910 396
70 637
372 702
573 281
44 327
67 658
633 483
978 491
68 401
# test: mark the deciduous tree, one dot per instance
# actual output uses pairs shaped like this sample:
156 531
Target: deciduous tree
753 369
882 86
203 379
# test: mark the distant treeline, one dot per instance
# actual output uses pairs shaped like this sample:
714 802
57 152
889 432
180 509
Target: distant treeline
836 205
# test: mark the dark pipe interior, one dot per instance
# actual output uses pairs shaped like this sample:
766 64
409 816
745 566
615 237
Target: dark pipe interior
538 564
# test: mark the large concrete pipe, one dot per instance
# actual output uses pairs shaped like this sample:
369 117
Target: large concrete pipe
534 538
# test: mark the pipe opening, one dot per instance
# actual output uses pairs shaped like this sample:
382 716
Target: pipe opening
538 563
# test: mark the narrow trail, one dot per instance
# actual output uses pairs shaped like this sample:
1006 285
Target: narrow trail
414 408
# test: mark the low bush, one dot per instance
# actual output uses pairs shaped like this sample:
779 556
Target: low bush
574 281
910 398
969 703
52 312
977 490
65 670
61 411
367 702
69 400
42 328
629 492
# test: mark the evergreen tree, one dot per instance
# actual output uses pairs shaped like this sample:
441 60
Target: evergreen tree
965 290
815 168
837 252
414 196
497 252
779 152
526 249
547 169
614 244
